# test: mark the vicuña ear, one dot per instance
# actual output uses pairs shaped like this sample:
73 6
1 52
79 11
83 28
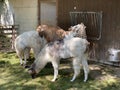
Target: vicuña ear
82 23
85 27
38 29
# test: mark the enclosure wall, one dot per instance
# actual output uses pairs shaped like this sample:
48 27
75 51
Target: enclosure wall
110 22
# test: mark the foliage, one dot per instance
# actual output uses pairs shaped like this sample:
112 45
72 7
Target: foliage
15 77
2 0
5 42
2 5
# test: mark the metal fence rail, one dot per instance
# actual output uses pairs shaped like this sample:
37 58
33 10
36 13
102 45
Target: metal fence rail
93 21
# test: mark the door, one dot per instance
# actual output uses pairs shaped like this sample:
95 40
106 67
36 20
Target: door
48 13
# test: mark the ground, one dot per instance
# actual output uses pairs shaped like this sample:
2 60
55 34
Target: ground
15 77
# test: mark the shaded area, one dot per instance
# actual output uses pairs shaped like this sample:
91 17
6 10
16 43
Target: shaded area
15 77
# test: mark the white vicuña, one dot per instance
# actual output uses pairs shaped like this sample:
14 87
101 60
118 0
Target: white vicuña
70 47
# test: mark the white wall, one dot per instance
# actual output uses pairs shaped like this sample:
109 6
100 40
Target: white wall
25 14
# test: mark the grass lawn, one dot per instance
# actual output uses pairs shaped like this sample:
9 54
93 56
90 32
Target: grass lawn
15 77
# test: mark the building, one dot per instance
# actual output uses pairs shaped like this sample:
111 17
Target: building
30 13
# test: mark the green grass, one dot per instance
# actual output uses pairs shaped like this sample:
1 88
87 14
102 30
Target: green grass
15 77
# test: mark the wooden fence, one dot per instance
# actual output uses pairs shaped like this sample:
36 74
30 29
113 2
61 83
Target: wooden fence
7 37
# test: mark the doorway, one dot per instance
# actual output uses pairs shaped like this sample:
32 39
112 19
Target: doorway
48 12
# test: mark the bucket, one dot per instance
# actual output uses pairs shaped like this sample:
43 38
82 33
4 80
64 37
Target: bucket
114 55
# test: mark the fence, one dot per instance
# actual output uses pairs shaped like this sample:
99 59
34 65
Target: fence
7 37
